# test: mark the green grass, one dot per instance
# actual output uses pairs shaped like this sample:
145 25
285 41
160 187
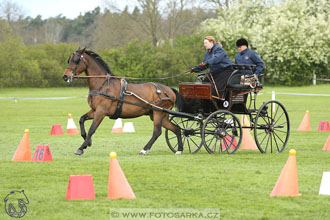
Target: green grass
239 185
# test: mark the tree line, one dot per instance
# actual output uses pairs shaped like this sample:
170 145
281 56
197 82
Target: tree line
151 42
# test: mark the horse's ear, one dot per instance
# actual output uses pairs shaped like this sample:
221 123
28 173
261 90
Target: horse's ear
78 49
83 50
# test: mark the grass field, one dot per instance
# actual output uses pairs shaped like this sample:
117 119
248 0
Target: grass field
239 185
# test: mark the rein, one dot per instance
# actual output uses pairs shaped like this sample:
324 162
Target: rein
134 78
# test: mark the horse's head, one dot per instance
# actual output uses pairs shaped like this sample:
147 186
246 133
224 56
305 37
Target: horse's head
76 65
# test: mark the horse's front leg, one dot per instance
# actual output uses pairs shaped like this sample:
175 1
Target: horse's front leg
98 117
89 115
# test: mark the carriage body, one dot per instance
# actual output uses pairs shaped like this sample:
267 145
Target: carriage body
220 130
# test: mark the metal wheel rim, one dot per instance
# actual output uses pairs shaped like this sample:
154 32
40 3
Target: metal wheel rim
190 134
272 127
222 132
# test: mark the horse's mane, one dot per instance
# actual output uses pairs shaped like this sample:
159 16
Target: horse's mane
99 60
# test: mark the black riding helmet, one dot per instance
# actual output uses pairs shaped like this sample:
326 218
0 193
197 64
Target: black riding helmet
241 42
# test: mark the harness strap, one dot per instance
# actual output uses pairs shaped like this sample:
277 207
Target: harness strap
159 92
118 111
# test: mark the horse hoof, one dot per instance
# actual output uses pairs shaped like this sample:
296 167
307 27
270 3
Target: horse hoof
178 152
79 152
143 152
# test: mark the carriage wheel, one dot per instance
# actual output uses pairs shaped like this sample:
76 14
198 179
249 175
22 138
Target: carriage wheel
222 132
271 127
190 134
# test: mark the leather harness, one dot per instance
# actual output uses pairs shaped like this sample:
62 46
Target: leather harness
124 92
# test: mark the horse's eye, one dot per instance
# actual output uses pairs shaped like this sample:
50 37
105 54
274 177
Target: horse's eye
76 60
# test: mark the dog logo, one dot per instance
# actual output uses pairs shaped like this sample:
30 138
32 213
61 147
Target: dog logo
15 204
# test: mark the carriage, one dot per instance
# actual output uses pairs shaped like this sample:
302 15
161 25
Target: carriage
202 119
214 123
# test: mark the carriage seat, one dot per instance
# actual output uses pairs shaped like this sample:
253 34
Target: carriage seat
234 81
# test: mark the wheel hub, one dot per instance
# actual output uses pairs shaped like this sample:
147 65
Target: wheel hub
220 132
187 132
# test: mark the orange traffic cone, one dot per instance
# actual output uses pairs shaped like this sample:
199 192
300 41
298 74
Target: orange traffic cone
327 144
305 124
118 186
245 120
287 183
71 127
23 151
80 187
247 140
118 126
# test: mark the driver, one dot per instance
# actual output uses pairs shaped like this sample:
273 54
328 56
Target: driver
216 59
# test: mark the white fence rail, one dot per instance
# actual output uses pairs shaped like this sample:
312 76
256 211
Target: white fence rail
318 79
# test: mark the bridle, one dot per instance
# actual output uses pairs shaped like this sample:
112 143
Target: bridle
77 62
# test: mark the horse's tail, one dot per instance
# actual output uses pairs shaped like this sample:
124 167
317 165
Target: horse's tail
179 100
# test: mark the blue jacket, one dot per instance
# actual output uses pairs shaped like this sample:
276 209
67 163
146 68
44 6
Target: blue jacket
248 56
216 59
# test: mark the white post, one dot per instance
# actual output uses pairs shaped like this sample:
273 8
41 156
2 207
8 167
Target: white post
273 98
314 78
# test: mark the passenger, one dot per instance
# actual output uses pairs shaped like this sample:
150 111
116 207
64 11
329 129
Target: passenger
216 59
247 56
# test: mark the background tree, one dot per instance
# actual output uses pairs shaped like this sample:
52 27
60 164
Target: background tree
292 37
5 30
10 11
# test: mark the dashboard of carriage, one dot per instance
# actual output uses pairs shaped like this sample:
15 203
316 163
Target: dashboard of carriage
237 89
237 83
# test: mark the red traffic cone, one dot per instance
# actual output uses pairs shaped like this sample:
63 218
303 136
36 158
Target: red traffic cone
287 183
23 151
327 144
80 187
71 127
42 153
324 126
227 140
56 130
305 123
118 186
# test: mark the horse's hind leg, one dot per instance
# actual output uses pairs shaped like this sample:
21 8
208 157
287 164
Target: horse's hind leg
89 115
176 130
157 117
98 117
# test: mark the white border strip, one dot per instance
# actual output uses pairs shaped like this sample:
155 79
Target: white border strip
300 94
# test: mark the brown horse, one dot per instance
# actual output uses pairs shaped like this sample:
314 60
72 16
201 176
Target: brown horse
111 96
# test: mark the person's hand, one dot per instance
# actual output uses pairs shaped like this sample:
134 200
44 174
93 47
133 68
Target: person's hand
192 70
202 64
